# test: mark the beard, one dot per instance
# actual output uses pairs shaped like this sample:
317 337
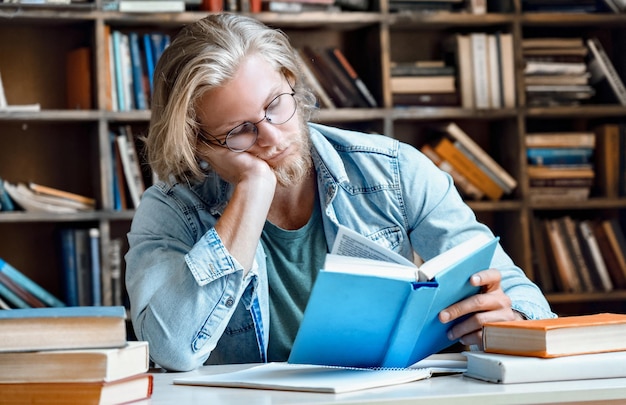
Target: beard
296 169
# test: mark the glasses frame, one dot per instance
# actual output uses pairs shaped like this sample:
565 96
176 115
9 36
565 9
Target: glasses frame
215 140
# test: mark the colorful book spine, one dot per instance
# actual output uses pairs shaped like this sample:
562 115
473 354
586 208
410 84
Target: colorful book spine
29 285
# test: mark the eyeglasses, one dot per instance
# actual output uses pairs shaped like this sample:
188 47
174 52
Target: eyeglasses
243 136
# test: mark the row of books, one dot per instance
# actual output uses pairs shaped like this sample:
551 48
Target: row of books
579 255
576 6
559 349
85 281
476 174
40 198
131 58
333 79
85 357
17 290
569 71
127 179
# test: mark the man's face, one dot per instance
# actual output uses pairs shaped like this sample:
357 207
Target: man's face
256 102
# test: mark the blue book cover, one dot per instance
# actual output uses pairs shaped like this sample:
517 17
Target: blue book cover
119 70
149 58
6 203
136 60
66 312
29 285
70 268
559 156
12 298
356 320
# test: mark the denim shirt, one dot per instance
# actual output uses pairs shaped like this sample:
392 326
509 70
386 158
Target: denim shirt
189 297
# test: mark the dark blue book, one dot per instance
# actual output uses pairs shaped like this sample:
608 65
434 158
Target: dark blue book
69 266
149 58
136 60
559 156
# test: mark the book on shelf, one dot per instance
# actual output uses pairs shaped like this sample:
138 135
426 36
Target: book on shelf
78 79
428 68
29 285
509 369
479 156
423 84
55 192
65 328
96 270
446 149
426 99
324 75
396 331
131 389
617 241
593 255
6 203
560 156
328 379
556 337
560 140
562 260
138 69
602 70
313 83
541 271
582 274
74 365
18 296
340 77
614 267
558 172
151 6
130 164
340 59
480 64
466 187
607 160
462 51
542 193
30 200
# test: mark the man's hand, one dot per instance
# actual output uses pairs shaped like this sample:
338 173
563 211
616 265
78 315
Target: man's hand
490 305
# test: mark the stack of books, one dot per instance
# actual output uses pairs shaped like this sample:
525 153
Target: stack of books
575 255
71 355
426 83
560 165
560 349
556 71
333 78
476 174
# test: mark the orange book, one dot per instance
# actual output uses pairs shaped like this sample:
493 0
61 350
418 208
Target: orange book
465 166
129 389
557 337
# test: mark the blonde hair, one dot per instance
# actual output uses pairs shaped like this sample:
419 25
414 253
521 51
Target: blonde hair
205 55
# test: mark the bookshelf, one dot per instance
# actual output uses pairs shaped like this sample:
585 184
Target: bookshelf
70 149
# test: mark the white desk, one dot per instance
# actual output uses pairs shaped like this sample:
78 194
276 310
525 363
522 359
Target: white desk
453 389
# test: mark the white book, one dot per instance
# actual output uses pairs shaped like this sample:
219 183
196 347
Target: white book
479 67
510 369
127 163
602 68
151 6
329 379
495 72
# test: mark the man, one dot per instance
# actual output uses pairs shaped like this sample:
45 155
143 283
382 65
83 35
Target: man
224 252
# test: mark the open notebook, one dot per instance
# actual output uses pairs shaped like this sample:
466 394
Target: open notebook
329 379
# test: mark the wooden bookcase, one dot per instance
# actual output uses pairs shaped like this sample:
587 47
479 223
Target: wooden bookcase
70 149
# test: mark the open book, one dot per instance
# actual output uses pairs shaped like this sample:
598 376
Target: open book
313 378
378 314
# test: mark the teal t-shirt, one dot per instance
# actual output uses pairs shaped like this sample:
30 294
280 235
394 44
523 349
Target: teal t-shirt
294 258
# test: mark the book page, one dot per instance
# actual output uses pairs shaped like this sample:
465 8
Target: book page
351 243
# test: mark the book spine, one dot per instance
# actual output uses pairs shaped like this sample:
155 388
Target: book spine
119 69
137 71
12 298
447 151
608 70
345 64
68 258
483 167
480 62
29 285
466 187
96 273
